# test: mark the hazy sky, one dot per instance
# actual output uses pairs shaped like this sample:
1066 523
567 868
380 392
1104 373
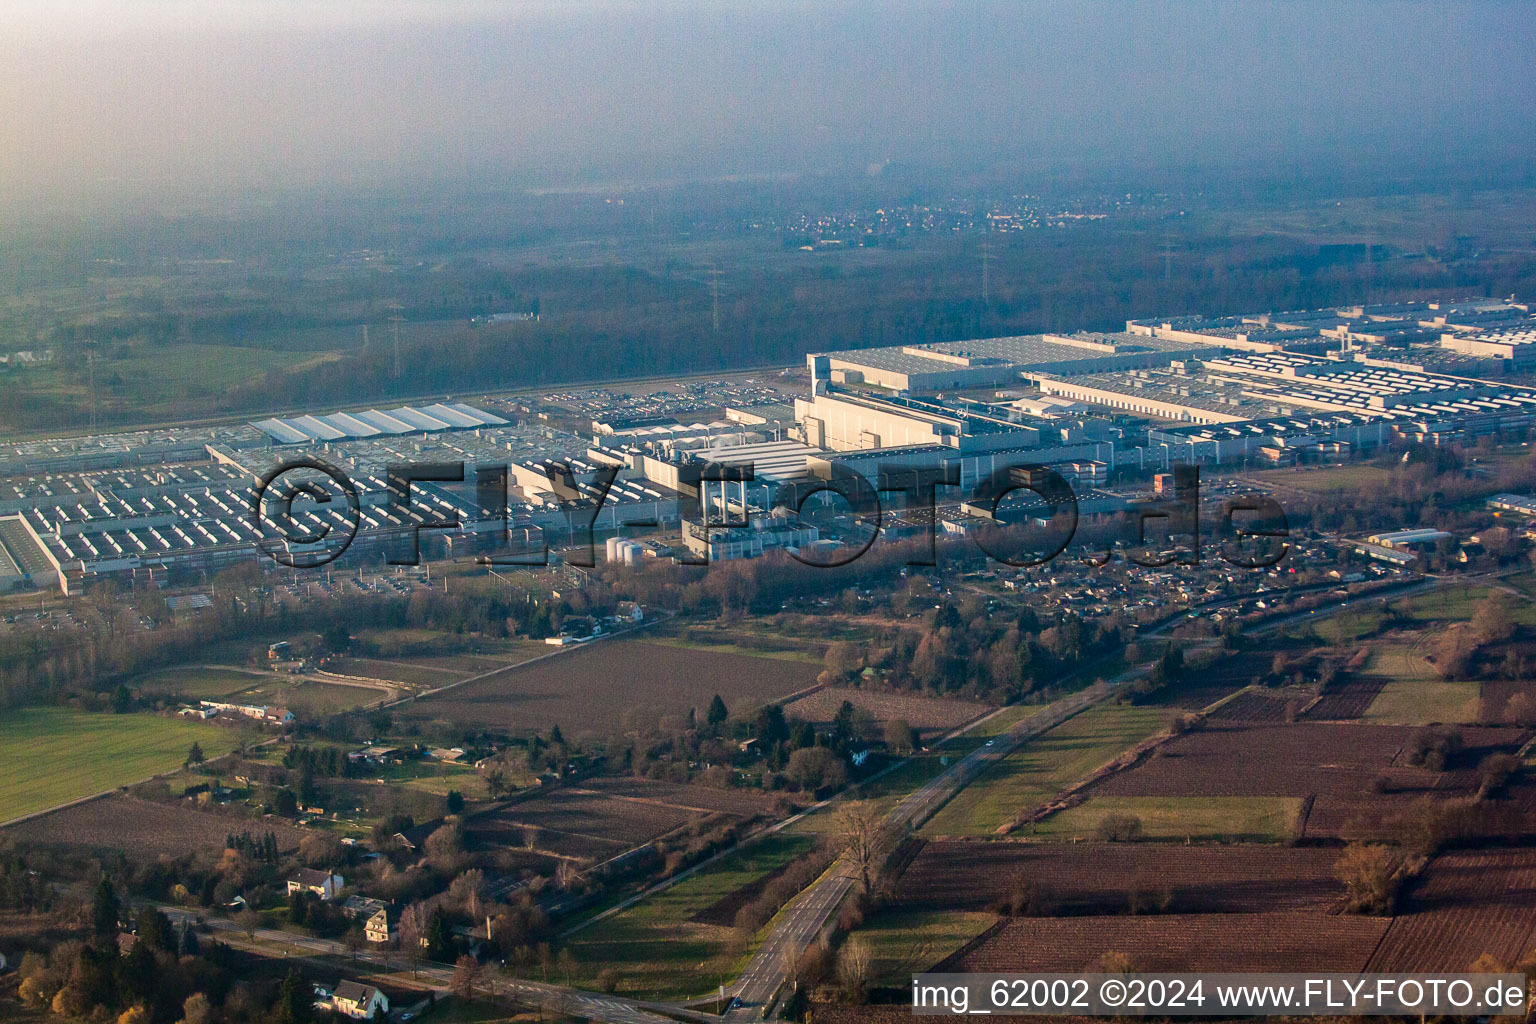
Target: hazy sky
264 92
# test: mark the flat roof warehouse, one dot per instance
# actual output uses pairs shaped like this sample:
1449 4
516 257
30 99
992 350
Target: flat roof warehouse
349 426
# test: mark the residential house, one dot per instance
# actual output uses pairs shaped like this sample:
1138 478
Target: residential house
261 713
325 884
359 1001
362 907
383 927
375 755
415 837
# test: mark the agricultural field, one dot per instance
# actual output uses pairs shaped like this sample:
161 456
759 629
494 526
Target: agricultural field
1288 942
1348 700
409 674
1227 819
1354 477
1395 660
314 697
198 682
300 694
1045 766
1234 671
425 659
576 825
1423 701
1224 759
610 686
1352 776
753 643
145 829
921 713
1347 627
707 799
1099 878
49 756
660 948
1465 905
904 942
1256 705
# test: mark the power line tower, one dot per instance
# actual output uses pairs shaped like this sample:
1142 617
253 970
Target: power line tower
986 271
1167 258
714 296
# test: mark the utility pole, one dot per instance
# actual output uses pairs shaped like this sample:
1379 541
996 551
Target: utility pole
1167 258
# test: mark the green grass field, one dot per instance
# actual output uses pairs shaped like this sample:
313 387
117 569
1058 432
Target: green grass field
1347 627
730 648
907 942
657 950
50 756
1398 661
1044 767
1422 701
1260 819
196 683
312 698
299 696
1459 604
157 381
1331 478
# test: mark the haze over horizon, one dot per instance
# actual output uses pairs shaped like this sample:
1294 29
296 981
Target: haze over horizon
165 94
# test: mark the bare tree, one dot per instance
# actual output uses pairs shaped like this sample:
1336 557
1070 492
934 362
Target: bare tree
1370 874
853 966
413 929
856 826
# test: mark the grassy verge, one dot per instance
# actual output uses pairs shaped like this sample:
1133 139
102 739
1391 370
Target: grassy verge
657 948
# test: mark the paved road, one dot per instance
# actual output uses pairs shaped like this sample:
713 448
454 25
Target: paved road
571 1002
801 922
809 912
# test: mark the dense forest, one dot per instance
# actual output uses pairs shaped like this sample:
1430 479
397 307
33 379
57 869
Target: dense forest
630 294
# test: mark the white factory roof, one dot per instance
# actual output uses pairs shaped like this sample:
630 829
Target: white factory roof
341 426
771 460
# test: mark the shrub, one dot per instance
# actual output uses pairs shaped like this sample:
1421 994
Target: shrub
1118 828
1434 748
1371 878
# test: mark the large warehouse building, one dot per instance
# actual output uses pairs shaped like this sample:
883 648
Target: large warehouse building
996 362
